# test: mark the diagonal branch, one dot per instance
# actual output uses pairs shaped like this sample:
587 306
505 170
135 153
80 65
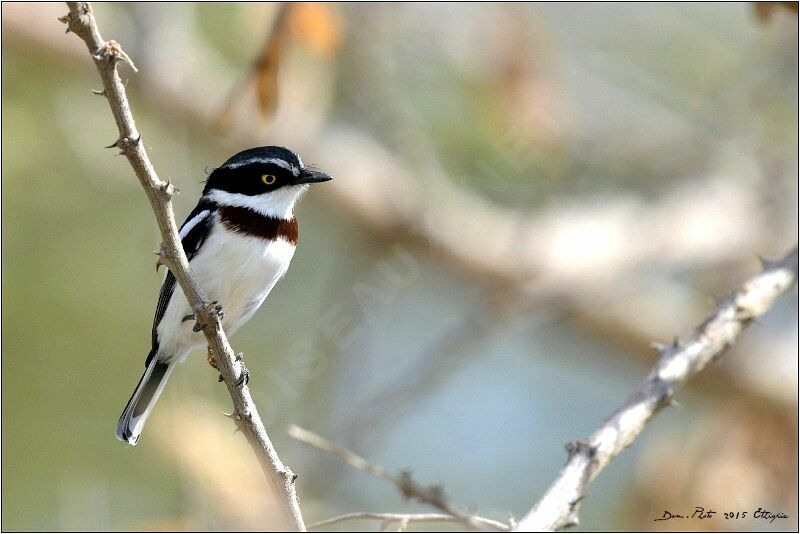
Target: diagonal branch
686 357
106 55
432 495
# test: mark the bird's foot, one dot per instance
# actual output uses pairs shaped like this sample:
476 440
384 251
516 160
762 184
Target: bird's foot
212 307
244 373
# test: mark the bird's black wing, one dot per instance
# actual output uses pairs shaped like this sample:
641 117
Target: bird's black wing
191 243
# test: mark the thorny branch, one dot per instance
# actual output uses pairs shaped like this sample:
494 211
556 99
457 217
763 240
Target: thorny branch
405 484
106 54
678 362
558 508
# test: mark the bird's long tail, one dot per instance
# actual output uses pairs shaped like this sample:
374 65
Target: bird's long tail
132 420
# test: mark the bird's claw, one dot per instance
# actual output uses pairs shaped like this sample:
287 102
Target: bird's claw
214 306
244 375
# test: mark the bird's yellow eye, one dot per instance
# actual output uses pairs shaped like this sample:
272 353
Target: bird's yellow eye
268 179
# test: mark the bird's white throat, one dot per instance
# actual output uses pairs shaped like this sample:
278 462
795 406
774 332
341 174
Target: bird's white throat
278 204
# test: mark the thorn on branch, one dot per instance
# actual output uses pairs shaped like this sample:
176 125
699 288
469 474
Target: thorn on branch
167 189
666 391
76 24
744 313
233 415
581 447
125 144
163 258
288 476
112 52
576 502
572 520
99 93
65 19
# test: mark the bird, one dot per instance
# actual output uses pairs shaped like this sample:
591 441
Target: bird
239 240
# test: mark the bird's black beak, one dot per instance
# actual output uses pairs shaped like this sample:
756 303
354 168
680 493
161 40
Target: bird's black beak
308 176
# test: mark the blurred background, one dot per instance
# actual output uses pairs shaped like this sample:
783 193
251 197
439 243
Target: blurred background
526 196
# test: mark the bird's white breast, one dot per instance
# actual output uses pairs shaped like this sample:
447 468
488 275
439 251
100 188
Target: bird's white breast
237 271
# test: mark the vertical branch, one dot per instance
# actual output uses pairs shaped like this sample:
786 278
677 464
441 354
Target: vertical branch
106 54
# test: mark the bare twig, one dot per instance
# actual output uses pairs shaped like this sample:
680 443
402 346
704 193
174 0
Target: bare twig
106 55
432 495
388 519
678 362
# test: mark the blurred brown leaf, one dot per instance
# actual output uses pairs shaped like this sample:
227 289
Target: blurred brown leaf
765 10
262 74
314 25
265 69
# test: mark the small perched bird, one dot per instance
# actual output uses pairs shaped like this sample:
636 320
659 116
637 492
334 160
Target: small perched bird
239 240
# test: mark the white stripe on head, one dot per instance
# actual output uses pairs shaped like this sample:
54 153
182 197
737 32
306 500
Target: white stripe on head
274 161
278 204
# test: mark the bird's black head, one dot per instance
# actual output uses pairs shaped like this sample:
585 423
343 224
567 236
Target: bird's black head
260 170
267 179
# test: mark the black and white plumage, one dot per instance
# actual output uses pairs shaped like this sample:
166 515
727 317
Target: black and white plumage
239 240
